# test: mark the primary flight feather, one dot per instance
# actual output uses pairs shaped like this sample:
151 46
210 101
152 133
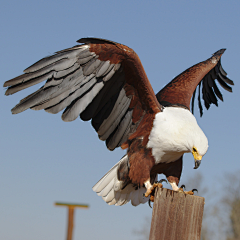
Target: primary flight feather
105 82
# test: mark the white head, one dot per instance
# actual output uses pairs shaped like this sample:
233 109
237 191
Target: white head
175 132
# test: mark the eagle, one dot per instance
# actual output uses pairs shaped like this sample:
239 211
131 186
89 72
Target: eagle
105 82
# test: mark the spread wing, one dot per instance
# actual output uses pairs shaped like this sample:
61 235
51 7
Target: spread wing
99 80
182 89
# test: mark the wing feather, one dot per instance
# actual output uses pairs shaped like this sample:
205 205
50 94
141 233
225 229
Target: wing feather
69 54
103 68
182 88
74 110
99 80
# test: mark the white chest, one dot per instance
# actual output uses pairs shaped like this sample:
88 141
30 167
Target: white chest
174 132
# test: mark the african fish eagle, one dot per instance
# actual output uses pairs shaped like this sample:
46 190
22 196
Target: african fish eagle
104 81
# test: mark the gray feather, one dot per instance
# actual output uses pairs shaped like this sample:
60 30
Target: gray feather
126 133
56 57
91 67
115 116
134 198
85 60
49 92
27 84
73 112
121 199
86 53
103 69
53 101
124 125
67 71
67 101
110 74
52 82
109 69
56 66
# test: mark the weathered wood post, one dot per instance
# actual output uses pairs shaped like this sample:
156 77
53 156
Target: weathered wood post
71 216
176 216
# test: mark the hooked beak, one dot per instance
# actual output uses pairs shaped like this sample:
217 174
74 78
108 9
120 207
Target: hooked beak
197 158
197 163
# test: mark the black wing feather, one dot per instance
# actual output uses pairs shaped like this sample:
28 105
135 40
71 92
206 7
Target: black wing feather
209 88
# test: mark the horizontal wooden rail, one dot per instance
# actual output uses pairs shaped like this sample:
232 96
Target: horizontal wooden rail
71 207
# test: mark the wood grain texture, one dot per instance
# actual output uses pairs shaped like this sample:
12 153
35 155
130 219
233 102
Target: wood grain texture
176 216
70 223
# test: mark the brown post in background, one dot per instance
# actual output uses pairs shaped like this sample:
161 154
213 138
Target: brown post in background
176 216
71 216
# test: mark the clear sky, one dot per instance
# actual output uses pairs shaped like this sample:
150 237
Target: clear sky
44 160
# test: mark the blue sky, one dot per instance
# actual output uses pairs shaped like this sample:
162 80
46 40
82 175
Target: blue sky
44 160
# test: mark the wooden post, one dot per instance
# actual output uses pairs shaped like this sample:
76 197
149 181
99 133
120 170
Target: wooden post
71 216
176 216
70 222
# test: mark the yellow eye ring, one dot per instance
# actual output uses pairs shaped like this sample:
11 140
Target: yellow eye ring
194 149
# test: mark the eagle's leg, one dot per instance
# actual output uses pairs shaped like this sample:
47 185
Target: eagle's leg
150 188
173 174
176 188
152 194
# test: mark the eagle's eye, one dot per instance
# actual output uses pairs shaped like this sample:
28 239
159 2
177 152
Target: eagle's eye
194 149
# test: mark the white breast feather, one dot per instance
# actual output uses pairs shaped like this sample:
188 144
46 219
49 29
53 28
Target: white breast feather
175 131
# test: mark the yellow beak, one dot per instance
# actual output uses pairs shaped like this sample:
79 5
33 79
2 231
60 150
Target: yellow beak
197 158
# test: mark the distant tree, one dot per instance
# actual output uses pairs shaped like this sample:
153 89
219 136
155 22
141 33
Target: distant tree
143 232
232 203
235 220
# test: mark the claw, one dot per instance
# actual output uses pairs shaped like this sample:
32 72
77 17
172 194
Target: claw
183 186
162 180
150 192
149 203
194 190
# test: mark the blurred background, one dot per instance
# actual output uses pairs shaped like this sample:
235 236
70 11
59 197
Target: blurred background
44 160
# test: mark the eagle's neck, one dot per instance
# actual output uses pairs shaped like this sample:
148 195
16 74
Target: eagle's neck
170 136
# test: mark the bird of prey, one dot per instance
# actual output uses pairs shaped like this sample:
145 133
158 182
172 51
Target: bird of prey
105 82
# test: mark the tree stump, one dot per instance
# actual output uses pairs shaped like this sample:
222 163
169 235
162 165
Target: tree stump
176 216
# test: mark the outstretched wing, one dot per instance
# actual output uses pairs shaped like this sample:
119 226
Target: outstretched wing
182 89
99 80
210 91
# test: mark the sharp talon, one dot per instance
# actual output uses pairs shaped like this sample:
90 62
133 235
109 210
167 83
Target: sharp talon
149 203
183 186
195 190
162 180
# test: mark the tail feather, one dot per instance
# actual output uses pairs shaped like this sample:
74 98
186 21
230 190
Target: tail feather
113 202
108 188
121 199
109 197
104 181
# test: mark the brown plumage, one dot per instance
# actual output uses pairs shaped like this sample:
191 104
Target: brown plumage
105 82
181 89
